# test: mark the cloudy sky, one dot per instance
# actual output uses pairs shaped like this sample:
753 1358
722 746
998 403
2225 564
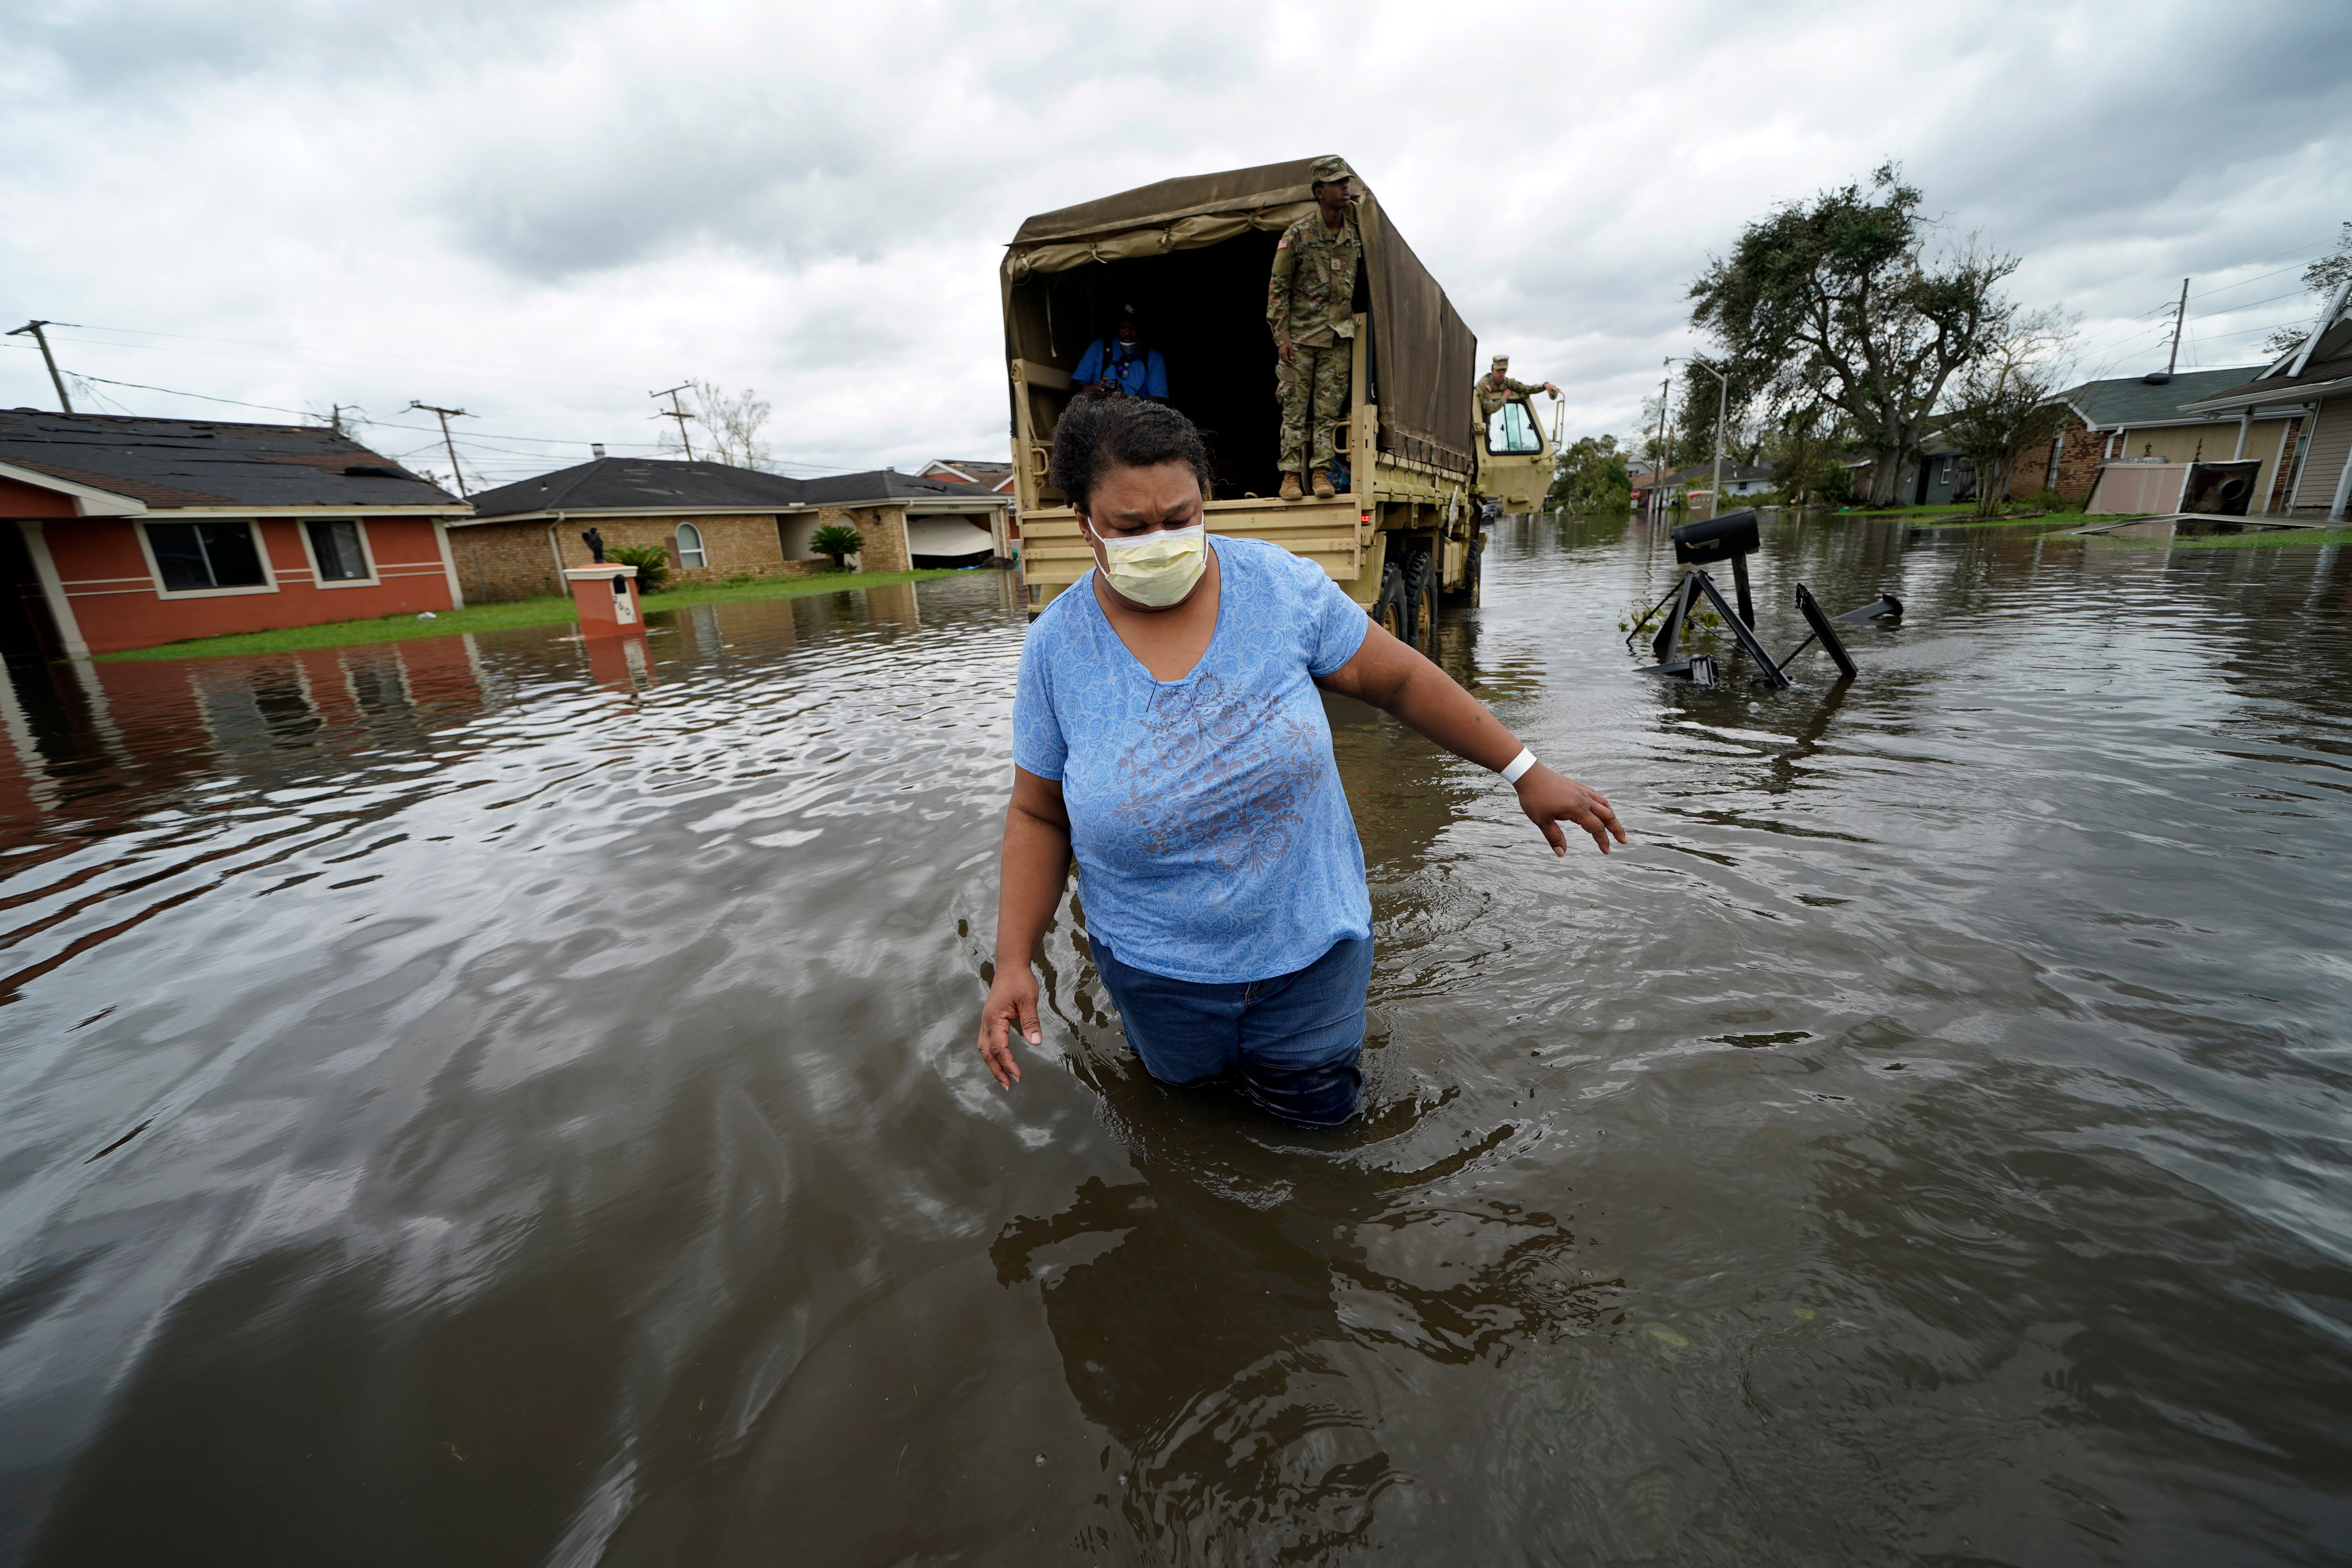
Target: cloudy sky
540 212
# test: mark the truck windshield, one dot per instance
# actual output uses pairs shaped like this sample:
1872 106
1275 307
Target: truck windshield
1512 429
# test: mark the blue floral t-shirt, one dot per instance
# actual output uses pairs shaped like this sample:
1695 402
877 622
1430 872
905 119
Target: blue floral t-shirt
1213 841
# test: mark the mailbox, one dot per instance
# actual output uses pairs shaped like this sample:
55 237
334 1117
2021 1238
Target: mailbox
606 598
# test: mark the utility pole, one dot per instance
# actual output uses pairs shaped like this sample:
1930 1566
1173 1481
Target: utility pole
455 472
678 414
2179 314
48 358
1658 469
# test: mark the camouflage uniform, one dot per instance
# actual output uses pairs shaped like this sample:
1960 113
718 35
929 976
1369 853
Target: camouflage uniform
1492 393
1310 302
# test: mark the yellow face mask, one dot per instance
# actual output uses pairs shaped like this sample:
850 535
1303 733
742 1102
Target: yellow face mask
1156 569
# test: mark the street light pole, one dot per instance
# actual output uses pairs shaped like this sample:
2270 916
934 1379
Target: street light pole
1722 413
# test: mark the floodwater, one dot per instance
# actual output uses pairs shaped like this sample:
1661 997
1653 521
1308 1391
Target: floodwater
485 1102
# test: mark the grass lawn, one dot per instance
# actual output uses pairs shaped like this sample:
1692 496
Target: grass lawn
2267 539
547 612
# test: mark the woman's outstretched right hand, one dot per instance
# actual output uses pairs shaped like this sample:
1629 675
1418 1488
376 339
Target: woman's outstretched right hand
1011 1003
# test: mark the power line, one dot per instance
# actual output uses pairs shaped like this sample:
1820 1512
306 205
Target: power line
365 354
472 442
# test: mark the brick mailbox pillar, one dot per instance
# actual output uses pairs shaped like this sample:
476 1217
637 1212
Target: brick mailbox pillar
606 597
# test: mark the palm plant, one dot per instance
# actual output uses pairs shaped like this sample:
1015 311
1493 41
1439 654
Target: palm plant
651 561
837 540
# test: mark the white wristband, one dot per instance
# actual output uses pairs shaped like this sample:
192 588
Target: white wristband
1517 768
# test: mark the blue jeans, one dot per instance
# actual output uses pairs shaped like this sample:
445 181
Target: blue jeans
1293 1040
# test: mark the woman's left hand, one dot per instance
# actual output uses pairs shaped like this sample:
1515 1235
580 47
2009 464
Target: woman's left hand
1550 799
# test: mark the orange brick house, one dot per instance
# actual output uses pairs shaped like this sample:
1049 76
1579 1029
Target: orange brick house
715 521
122 533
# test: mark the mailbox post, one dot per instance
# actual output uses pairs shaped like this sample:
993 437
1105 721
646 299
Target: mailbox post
606 598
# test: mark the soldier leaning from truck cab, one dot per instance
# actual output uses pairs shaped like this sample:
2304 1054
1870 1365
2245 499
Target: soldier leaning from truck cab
1311 305
1120 366
1494 389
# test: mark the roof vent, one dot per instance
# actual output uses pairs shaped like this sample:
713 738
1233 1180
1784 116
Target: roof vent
372 471
2156 378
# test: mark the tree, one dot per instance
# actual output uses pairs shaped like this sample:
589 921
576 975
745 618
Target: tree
1590 476
2006 401
1702 397
1840 296
2323 277
730 427
837 540
1677 450
1804 447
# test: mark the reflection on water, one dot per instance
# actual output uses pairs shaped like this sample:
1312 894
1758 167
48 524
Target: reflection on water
508 1100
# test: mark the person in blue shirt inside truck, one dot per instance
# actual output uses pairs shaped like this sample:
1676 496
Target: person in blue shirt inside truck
1169 732
1120 366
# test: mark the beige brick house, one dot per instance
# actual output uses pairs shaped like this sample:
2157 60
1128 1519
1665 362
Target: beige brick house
2317 376
2132 419
716 522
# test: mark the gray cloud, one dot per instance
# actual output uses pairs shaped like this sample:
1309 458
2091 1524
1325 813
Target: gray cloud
609 196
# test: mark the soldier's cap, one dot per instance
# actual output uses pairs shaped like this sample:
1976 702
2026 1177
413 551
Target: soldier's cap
1501 360
1331 170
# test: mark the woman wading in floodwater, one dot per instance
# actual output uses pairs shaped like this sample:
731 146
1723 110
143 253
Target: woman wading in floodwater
1166 730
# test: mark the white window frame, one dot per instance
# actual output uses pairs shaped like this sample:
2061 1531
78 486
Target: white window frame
269 585
702 547
309 554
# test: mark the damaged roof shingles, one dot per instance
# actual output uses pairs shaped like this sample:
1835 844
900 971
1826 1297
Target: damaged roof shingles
187 462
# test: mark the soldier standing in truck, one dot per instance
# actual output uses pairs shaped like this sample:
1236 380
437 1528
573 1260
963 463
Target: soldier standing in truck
1310 306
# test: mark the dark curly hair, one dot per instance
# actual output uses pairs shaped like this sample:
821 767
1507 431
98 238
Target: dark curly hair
1097 435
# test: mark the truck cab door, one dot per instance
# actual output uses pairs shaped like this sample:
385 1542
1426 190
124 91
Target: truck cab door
1515 460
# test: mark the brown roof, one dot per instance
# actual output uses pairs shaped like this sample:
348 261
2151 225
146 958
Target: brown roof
207 462
2278 388
137 489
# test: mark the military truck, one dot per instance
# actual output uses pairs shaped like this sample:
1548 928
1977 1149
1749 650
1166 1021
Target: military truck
1194 256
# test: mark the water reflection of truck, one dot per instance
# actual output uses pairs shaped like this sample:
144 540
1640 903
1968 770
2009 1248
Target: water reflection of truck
1193 255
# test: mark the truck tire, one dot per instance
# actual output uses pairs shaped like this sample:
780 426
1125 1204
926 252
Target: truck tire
1474 571
1420 601
1389 609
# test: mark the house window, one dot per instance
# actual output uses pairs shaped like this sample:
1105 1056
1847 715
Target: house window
689 546
1947 477
196 555
338 548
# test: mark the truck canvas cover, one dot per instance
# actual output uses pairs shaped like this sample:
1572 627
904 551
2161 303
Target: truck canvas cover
1423 357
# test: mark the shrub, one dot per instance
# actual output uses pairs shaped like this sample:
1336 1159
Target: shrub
651 561
2051 501
837 540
